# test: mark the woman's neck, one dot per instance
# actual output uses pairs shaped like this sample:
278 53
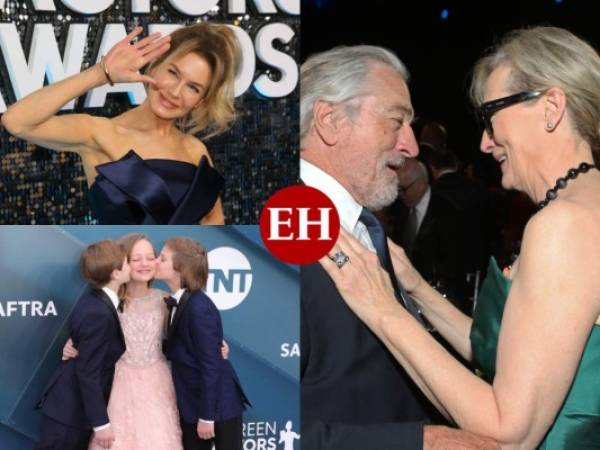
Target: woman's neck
137 289
557 167
143 119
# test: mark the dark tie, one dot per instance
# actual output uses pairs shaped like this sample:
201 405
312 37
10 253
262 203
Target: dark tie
379 240
410 231
121 305
171 303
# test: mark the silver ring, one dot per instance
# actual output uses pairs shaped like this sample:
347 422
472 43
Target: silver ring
339 258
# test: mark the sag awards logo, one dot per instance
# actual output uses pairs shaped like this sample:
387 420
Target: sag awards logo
27 308
230 277
269 436
27 72
290 350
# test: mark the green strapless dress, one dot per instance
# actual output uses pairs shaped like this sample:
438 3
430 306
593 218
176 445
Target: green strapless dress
577 425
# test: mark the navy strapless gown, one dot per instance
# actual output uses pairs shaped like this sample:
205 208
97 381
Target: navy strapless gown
132 190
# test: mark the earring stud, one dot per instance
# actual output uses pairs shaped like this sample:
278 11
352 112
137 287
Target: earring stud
549 126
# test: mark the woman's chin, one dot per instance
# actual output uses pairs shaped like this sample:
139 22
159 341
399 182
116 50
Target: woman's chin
165 113
506 181
142 279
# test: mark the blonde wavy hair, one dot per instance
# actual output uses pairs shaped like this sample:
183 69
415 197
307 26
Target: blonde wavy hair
218 46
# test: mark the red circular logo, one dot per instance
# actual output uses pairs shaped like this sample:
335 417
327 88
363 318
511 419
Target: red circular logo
299 224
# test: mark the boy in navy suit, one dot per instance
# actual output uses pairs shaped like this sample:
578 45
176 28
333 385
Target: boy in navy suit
74 401
209 393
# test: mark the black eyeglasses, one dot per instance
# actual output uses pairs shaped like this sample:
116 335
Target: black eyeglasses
488 109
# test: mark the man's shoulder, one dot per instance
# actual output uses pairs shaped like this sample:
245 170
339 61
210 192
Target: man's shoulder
90 303
313 274
198 300
318 291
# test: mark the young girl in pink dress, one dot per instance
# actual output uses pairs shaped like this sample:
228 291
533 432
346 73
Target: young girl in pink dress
142 407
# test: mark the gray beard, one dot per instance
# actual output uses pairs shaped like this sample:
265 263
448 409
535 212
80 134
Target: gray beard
379 199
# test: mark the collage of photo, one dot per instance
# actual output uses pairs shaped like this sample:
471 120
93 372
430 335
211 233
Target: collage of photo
299 225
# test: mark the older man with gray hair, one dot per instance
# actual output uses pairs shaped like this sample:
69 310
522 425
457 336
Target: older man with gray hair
356 115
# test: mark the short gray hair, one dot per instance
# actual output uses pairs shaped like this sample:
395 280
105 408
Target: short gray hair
543 57
338 75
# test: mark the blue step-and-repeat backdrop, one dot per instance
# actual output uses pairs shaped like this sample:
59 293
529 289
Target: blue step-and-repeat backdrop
258 298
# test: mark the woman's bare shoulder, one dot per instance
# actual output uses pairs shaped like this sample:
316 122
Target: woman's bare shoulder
195 148
564 219
564 233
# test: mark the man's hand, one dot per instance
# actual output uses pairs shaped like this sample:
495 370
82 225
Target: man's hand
205 430
105 437
69 350
225 350
444 438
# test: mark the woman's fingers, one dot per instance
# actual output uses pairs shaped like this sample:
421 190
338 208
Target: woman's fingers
145 79
330 267
155 52
135 32
142 44
349 242
395 250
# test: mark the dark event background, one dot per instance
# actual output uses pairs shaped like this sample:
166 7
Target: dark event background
439 41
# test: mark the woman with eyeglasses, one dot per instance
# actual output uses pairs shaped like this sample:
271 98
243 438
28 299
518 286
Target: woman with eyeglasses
535 334
145 166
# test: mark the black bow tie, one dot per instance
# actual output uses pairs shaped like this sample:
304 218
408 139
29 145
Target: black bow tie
170 302
121 305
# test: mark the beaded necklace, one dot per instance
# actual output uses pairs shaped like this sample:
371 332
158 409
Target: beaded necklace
561 183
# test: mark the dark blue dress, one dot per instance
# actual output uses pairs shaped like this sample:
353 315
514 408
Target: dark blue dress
132 190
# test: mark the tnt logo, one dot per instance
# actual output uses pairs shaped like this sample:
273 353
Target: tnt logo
229 277
299 224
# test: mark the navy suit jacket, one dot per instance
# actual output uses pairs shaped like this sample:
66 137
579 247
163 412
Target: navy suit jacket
354 394
78 391
206 385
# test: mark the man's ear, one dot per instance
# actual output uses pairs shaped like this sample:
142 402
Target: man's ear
327 121
114 274
555 106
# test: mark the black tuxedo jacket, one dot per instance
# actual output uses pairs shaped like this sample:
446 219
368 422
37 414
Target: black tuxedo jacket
354 395
206 385
78 391
463 214
450 242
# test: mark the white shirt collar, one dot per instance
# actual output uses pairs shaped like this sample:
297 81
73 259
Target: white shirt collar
422 206
177 295
348 209
114 298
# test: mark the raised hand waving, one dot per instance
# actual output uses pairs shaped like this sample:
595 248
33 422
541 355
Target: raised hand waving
123 62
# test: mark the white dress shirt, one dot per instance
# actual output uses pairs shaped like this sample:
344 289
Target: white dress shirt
421 208
114 298
177 296
348 208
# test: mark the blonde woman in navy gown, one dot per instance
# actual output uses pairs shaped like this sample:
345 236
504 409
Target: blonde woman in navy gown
145 166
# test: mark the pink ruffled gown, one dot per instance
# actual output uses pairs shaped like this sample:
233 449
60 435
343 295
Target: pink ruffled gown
142 407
